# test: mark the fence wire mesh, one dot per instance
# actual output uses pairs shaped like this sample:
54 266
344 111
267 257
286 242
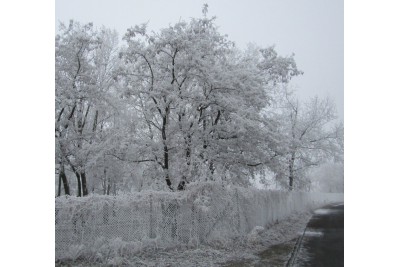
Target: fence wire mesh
198 216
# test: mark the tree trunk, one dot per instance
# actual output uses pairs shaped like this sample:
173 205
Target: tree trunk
168 180
114 188
59 185
183 182
166 167
290 182
166 155
108 188
84 184
291 171
104 182
63 179
78 178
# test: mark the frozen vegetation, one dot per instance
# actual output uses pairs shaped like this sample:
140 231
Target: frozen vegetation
210 216
182 105
245 249
161 141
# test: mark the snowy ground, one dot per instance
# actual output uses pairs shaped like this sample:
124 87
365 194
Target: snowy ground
247 251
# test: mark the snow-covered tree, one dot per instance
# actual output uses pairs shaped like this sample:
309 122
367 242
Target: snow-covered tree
199 100
180 105
311 137
85 76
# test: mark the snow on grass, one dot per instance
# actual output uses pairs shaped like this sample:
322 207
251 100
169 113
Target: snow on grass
313 233
119 253
211 222
323 211
326 211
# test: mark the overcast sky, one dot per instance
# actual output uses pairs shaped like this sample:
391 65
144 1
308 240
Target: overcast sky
312 29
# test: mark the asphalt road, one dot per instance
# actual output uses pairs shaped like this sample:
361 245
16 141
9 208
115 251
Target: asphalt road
322 244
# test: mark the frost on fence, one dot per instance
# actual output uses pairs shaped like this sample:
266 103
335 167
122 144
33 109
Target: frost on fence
200 215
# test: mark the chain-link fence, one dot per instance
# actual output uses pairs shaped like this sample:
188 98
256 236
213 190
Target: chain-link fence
198 216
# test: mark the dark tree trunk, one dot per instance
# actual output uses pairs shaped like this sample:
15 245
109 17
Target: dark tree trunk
291 171
78 178
108 188
183 182
168 180
166 167
59 185
188 142
166 155
84 184
290 182
65 183
63 179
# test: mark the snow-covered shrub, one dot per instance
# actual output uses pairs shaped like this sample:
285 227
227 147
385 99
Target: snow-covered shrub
254 235
75 251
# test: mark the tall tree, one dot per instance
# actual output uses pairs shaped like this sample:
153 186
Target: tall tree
200 100
312 136
183 104
84 80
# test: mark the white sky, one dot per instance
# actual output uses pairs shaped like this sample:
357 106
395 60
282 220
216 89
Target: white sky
312 29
